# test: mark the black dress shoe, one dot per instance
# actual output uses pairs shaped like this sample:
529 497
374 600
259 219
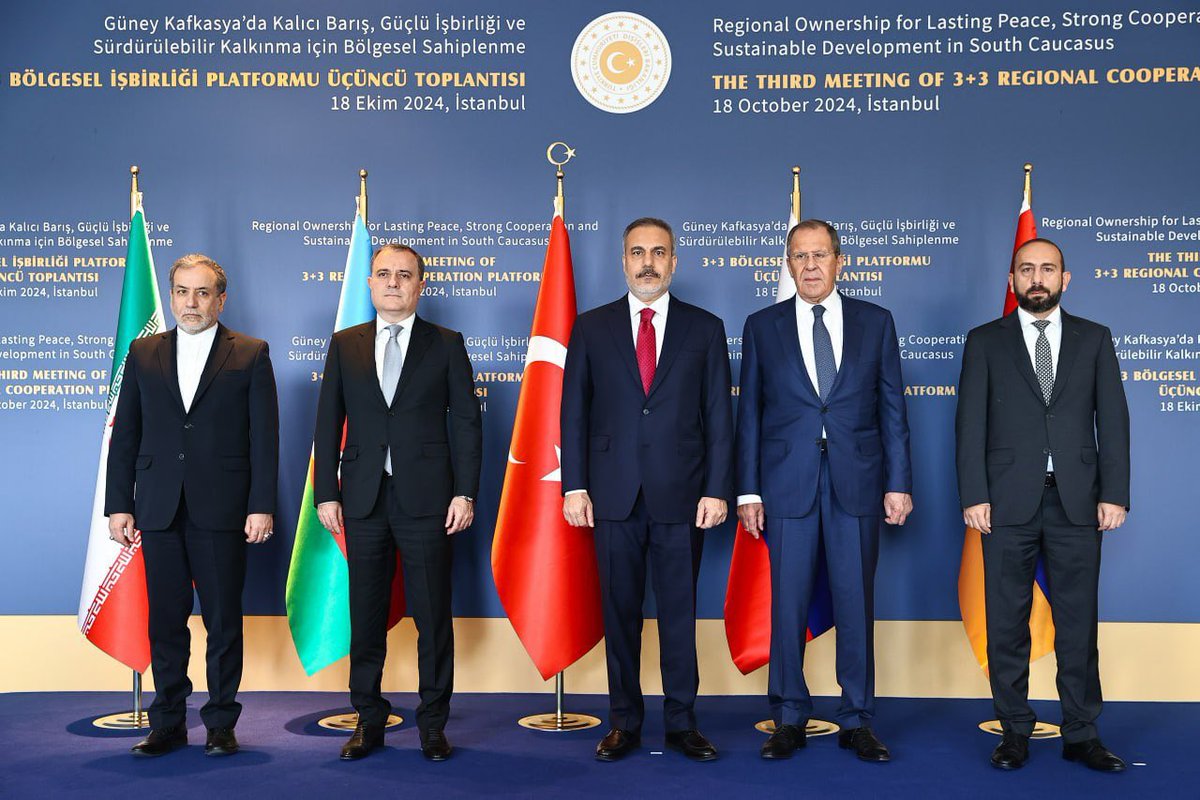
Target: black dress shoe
435 746
617 744
362 742
220 742
692 744
1094 754
160 742
1012 752
865 745
786 740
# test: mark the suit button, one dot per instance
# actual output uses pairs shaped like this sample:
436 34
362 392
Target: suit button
1046 451
187 426
824 409
181 456
645 412
1049 416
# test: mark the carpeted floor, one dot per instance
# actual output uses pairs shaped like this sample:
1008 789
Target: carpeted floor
50 750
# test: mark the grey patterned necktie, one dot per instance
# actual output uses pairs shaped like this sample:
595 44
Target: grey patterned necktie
823 353
393 360
1042 362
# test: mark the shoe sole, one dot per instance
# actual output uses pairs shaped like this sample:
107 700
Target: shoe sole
1007 767
777 756
702 759
219 751
1083 760
171 749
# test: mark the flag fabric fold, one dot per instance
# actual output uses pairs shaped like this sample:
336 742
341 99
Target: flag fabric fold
318 583
545 570
970 576
113 609
748 593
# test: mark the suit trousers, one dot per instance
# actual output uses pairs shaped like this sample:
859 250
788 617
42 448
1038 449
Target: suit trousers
851 551
215 562
1072 557
621 555
426 555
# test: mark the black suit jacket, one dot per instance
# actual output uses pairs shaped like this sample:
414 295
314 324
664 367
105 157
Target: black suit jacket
433 425
675 444
1005 430
223 454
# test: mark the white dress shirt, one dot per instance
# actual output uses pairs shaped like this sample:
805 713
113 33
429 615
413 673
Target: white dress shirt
381 339
659 320
191 354
1053 334
805 319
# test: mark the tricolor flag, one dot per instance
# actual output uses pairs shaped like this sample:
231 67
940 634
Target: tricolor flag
113 610
748 594
318 584
970 574
545 570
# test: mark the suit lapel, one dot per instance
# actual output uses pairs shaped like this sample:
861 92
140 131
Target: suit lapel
364 344
1019 353
1068 348
789 336
169 365
852 339
679 321
620 325
222 347
418 343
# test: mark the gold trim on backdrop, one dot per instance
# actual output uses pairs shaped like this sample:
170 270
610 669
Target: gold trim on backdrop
931 658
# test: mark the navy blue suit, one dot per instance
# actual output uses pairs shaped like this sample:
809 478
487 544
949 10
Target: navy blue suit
822 490
646 459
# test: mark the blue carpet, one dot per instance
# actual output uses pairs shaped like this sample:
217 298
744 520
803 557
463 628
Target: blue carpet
50 750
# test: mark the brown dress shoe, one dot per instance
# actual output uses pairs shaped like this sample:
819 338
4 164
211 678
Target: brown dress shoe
617 744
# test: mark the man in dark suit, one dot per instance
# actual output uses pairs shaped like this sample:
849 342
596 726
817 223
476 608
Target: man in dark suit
822 454
403 391
646 459
1043 471
193 464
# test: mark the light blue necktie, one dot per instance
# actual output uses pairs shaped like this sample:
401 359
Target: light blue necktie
393 360
823 353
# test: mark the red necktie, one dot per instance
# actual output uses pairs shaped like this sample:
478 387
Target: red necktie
645 349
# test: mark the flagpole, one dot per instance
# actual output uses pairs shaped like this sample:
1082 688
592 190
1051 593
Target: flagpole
795 196
559 720
137 718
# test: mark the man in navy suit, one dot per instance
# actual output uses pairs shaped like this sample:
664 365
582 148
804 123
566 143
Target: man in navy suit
647 451
822 454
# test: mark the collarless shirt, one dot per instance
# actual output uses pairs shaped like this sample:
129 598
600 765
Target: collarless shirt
191 354
1030 332
659 320
381 338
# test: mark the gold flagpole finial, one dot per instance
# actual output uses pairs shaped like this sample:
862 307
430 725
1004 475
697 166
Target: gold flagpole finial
1028 185
362 194
135 196
796 193
567 154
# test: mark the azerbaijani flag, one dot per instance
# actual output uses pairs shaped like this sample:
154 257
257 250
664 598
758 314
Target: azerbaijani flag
113 609
970 574
748 593
318 584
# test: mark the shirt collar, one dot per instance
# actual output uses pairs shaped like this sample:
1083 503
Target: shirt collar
381 324
1055 317
201 339
832 304
660 305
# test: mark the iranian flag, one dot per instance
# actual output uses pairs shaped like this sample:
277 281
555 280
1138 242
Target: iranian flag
545 570
318 583
113 611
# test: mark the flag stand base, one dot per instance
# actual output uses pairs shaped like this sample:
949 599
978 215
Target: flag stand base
815 727
125 721
348 722
559 720
1041 730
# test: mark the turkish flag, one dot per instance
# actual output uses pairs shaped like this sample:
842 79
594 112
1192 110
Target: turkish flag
545 570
